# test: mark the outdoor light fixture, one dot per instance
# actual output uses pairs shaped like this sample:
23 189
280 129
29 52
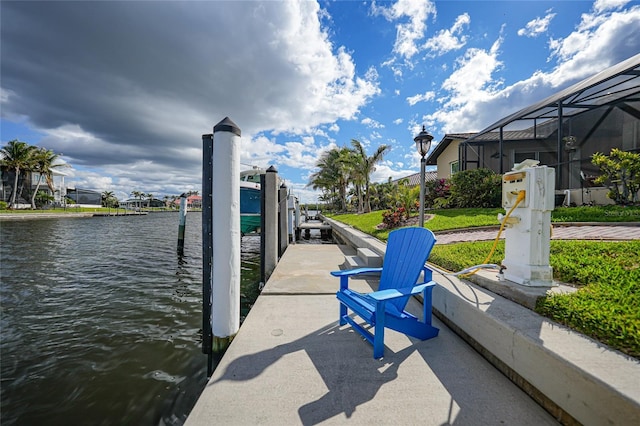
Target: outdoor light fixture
423 143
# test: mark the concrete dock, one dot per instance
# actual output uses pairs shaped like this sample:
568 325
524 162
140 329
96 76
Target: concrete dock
291 363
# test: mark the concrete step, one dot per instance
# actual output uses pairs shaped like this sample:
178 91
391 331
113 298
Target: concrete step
352 262
369 257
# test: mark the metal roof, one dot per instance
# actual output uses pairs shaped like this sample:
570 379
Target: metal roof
414 179
611 86
542 131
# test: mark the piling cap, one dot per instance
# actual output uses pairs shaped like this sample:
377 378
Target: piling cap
272 169
227 125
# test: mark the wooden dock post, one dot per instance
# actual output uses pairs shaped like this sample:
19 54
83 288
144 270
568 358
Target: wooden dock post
207 249
269 235
283 219
182 223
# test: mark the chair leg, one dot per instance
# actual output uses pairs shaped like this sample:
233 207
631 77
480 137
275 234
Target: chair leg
378 337
427 305
343 313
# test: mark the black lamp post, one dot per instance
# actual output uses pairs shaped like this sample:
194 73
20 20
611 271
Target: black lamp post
423 143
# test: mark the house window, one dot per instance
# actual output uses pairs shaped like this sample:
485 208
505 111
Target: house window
454 167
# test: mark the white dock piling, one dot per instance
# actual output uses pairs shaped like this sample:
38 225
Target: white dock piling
182 223
226 236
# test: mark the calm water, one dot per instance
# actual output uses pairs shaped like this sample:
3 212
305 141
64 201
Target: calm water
101 319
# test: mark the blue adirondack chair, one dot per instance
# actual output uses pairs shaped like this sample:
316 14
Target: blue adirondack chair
407 252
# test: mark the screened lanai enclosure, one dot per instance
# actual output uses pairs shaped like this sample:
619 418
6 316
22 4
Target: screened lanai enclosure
563 131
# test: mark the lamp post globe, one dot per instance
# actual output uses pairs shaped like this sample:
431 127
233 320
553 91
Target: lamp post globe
423 143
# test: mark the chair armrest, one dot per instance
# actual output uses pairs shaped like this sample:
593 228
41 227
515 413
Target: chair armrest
356 271
344 275
393 293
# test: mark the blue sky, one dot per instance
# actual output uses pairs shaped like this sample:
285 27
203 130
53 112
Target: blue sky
125 90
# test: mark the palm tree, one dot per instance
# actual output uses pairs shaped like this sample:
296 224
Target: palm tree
174 198
333 175
407 197
108 199
364 166
43 163
17 155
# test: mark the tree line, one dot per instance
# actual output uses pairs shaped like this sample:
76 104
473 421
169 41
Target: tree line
343 176
20 157
108 199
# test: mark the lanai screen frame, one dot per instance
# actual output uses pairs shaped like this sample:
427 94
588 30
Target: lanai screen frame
614 86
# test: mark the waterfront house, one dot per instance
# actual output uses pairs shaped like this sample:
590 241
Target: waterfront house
193 202
562 131
27 183
84 197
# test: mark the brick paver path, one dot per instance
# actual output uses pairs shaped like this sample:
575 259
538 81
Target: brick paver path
582 232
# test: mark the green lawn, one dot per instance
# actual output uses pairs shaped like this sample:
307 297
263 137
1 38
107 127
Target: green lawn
607 274
449 219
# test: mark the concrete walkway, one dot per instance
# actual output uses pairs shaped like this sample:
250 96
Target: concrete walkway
292 364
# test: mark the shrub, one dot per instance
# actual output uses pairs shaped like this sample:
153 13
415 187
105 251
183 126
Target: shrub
393 218
477 188
436 189
3 205
407 199
620 173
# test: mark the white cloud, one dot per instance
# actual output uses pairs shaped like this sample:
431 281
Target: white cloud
426 96
474 95
413 14
371 123
386 170
604 5
260 151
272 68
600 40
449 39
537 26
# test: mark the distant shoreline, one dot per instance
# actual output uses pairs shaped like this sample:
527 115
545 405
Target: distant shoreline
58 215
